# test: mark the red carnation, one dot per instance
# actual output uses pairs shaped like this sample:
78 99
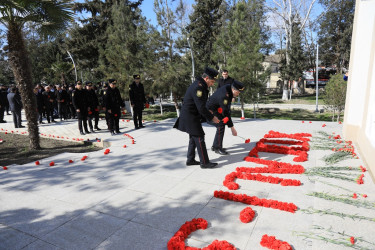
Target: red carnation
51 164
5 168
355 196
133 142
124 146
310 121
98 140
96 109
147 105
303 121
364 195
324 125
123 112
352 240
225 120
107 151
220 110
242 118
70 161
115 115
247 141
90 112
37 163
84 158
247 215
154 120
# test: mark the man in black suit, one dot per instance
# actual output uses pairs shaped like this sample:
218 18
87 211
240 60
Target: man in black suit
79 99
114 106
137 100
219 104
3 102
15 105
226 79
193 113
62 99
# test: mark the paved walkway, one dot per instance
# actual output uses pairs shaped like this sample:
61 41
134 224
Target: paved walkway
137 197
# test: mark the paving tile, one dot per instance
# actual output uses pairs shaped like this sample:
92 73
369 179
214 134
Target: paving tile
13 239
85 231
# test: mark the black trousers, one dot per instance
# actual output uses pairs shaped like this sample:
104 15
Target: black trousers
62 110
114 120
219 136
137 115
197 142
82 121
49 114
17 118
93 116
2 110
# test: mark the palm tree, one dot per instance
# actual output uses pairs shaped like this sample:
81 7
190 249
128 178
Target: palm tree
49 17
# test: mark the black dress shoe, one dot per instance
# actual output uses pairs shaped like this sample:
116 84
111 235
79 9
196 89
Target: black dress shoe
3 121
221 152
193 162
209 165
87 132
112 133
142 126
97 128
21 126
137 127
82 133
92 131
213 149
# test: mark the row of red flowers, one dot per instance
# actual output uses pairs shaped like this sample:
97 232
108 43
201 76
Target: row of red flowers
177 242
229 180
255 201
272 243
274 167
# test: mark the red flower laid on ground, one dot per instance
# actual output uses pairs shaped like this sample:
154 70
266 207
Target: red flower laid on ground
123 112
220 110
360 179
355 196
362 168
247 215
247 141
84 158
364 195
70 161
324 125
255 201
303 121
225 120
272 243
273 167
51 164
352 240
37 163
242 118
124 146
177 242
107 151
5 168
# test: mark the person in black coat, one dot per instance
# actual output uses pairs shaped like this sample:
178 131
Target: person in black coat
137 100
49 103
39 104
226 79
71 109
93 104
193 113
79 99
219 104
3 102
114 105
15 105
62 98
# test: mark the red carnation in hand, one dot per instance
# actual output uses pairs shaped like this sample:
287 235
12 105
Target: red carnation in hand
220 110
5 168
98 140
147 105
90 112
247 141
52 164
115 115
352 240
37 163
225 120
123 112
70 161
96 109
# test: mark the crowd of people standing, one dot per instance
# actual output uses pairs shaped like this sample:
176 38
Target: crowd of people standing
78 101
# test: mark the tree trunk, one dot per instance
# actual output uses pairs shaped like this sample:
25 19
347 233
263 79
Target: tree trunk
21 67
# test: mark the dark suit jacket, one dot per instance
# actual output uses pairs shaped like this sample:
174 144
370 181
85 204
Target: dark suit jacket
15 103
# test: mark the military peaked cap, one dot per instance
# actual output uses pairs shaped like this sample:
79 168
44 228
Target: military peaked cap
212 73
238 85
136 76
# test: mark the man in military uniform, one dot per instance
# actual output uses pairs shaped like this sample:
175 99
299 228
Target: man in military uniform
137 100
193 113
114 105
93 105
226 79
219 104
79 99
48 102
62 99
71 109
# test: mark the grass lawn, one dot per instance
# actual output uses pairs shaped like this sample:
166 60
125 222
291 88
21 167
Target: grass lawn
302 99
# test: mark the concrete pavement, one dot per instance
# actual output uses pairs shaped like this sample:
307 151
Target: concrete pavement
137 197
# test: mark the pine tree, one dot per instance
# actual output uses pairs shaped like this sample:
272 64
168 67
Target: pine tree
335 32
245 59
203 28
